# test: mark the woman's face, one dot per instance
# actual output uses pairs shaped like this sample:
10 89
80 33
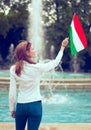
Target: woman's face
31 52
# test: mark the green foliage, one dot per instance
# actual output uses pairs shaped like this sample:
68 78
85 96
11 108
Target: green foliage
13 24
18 16
4 25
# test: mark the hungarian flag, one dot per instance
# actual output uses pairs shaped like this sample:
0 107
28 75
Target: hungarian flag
77 36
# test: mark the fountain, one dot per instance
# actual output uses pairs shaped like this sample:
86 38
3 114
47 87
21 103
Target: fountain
11 54
75 65
52 49
35 31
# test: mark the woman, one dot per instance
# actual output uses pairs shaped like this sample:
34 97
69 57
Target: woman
27 106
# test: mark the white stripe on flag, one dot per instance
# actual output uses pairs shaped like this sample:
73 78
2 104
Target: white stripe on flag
77 42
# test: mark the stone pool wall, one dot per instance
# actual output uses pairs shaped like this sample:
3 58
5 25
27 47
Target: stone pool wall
57 83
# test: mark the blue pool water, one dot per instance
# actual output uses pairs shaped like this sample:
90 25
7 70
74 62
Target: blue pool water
62 106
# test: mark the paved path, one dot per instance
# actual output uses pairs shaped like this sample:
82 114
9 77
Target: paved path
79 126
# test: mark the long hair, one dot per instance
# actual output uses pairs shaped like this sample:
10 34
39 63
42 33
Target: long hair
20 54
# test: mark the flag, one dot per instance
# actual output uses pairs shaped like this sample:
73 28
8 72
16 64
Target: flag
77 36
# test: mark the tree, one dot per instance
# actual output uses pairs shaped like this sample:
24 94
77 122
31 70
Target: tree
13 25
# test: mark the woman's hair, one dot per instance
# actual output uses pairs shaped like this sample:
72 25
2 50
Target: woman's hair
20 54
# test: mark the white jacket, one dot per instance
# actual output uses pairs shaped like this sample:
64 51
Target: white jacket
29 81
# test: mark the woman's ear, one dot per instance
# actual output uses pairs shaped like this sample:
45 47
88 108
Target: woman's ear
28 53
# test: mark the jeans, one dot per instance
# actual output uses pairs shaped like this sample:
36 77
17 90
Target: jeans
30 113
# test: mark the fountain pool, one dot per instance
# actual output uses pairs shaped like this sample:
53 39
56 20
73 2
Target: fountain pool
64 106
60 106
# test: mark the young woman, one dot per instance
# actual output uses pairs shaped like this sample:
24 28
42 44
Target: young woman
25 104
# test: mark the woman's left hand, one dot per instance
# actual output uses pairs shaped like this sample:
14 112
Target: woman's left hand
13 114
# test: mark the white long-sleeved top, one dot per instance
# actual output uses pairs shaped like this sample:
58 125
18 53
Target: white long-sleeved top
29 81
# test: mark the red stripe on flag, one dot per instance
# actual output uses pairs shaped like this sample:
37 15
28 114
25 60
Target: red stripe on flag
79 30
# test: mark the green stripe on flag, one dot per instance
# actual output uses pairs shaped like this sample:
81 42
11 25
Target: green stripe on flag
72 47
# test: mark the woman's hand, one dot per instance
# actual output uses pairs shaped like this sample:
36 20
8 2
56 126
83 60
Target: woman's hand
13 114
64 43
